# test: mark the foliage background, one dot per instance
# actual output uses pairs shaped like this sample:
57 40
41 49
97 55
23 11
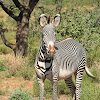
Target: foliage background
80 19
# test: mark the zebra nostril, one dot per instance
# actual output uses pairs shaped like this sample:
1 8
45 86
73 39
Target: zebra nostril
48 52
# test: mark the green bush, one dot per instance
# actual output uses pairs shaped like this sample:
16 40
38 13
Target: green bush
48 89
1 16
7 74
84 28
35 89
1 23
4 49
62 88
26 72
3 92
20 95
2 67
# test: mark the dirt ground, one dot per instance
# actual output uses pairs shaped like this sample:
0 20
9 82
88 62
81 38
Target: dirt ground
10 84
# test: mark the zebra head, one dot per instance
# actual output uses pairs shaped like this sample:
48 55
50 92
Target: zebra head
48 33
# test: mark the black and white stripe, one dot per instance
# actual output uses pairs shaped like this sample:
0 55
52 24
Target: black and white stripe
69 59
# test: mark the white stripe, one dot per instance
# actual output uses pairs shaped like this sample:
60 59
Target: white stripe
42 64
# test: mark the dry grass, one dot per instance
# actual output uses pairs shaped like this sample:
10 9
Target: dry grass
18 70
12 63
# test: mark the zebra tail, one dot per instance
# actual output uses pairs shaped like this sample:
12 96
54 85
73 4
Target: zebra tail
88 73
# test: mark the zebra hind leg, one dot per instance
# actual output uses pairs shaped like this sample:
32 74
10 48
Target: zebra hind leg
71 86
79 80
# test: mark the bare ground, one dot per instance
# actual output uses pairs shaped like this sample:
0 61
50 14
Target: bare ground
10 84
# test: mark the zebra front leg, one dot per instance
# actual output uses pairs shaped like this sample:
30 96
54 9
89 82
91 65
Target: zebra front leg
71 86
41 88
54 93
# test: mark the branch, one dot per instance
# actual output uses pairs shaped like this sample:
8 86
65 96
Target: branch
10 45
18 5
9 12
32 4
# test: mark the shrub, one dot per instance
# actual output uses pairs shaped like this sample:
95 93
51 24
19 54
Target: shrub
17 66
2 67
84 28
4 49
62 88
35 89
1 16
48 89
13 64
20 95
1 22
27 72
3 92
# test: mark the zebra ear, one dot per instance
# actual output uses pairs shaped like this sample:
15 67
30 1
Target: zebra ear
56 20
43 20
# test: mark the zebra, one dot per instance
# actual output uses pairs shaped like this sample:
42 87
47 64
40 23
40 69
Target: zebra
59 60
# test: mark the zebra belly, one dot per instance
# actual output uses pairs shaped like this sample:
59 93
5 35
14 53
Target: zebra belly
64 74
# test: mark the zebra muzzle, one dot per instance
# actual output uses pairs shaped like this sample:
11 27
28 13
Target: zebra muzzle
51 51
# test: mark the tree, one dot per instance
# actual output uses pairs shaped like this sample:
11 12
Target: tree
20 47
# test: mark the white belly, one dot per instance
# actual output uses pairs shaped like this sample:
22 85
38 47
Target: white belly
64 74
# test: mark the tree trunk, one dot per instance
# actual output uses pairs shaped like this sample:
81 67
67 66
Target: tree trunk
22 35
20 48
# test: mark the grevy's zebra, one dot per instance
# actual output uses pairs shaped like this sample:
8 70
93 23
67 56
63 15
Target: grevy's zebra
59 60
